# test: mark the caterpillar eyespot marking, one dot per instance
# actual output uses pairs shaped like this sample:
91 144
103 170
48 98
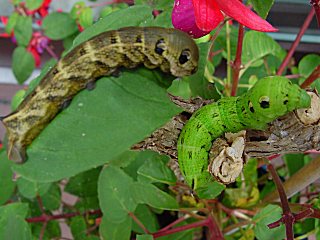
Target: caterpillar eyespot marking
253 111
97 57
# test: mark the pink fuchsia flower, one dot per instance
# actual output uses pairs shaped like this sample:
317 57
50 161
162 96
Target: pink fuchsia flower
199 17
37 46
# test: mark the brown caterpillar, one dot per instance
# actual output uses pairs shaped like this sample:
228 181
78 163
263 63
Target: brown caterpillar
170 49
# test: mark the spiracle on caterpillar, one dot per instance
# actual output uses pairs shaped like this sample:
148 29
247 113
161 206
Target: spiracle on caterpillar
171 50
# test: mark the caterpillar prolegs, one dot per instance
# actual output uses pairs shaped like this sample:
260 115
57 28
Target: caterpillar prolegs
169 49
267 100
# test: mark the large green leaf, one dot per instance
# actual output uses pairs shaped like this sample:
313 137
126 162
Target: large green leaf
12 222
98 126
7 184
132 16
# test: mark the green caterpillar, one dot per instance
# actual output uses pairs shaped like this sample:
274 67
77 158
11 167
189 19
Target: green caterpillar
267 100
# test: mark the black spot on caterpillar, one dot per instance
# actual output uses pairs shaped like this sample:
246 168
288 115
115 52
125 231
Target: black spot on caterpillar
99 56
269 99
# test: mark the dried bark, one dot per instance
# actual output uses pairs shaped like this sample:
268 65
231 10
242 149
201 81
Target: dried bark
293 132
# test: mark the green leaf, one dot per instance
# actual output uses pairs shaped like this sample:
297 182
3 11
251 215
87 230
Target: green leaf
31 189
22 64
267 215
144 237
115 230
86 17
12 222
153 196
308 63
250 173
98 126
33 4
199 84
52 199
7 184
17 98
147 218
262 7
11 22
180 87
257 45
115 194
157 170
78 228
58 25
77 8
84 184
131 161
87 203
23 30
132 16
212 190
294 162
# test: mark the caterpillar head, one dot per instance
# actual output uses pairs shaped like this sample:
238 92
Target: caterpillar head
174 51
272 97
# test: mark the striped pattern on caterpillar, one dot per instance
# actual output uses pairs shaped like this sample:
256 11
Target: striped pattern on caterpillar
169 49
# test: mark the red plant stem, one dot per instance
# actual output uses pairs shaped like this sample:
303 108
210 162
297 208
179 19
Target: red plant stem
316 7
291 76
312 77
236 66
179 220
215 231
296 42
287 217
203 223
139 223
52 54
46 218
43 230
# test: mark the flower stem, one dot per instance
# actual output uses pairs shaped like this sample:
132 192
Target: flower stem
236 66
228 81
296 42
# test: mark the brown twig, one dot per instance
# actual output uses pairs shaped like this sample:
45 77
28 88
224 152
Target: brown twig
296 42
312 77
236 66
